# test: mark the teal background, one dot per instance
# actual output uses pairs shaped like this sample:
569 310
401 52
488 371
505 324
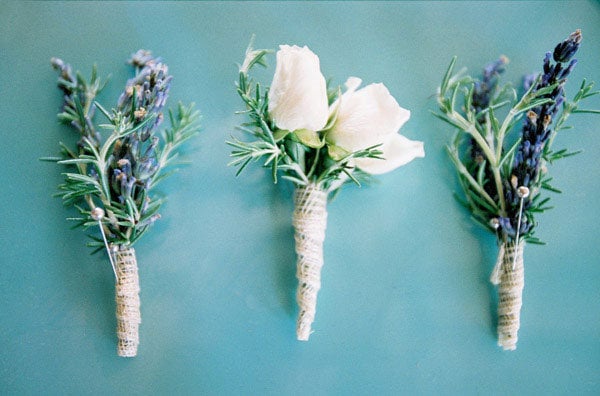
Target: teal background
406 306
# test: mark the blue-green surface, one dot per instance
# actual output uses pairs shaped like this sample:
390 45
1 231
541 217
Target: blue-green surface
405 307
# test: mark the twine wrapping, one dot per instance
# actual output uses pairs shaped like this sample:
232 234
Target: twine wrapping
497 271
310 221
128 301
510 294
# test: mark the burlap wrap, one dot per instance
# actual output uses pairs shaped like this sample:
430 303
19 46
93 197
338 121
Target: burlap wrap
310 221
510 293
128 301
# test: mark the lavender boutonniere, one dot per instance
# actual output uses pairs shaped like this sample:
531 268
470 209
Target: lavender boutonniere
111 182
502 165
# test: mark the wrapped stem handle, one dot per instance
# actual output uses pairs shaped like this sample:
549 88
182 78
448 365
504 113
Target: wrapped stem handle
128 301
510 293
310 222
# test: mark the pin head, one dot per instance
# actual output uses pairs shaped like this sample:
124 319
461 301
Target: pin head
495 223
523 192
97 213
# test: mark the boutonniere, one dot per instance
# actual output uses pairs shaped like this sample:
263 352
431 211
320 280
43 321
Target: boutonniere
502 164
112 174
318 139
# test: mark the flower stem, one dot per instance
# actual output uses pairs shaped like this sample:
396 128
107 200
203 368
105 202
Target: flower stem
310 221
128 301
510 294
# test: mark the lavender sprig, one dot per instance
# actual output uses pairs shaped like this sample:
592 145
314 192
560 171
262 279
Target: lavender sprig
496 167
147 92
485 93
119 174
535 134
79 96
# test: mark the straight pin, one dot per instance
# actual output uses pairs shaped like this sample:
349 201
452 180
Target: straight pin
522 193
98 214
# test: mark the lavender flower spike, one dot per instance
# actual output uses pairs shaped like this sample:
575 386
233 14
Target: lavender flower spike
537 129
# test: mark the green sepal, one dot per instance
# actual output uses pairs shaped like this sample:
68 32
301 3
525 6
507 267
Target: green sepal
309 138
279 134
336 152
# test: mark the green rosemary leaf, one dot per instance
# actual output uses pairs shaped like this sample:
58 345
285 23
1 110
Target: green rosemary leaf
103 110
534 103
481 173
448 120
584 111
75 161
507 157
242 166
548 187
447 76
480 202
534 240
297 181
51 159
81 178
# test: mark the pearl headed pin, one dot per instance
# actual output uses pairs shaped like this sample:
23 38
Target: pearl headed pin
98 214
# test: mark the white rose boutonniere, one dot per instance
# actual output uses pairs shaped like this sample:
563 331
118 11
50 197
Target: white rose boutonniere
317 140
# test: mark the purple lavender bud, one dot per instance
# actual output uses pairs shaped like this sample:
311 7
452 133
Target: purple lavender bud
506 226
559 102
141 58
568 69
483 90
125 166
77 126
546 65
150 149
144 169
93 173
518 158
564 51
129 187
69 82
526 146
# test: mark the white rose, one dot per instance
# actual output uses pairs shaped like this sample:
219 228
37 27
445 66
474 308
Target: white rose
298 93
368 117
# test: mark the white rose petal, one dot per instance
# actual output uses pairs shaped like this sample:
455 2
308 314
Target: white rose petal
298 93
371 116
397 151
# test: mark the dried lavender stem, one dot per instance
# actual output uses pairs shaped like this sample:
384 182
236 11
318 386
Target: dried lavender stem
128 301
510 294
310 221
